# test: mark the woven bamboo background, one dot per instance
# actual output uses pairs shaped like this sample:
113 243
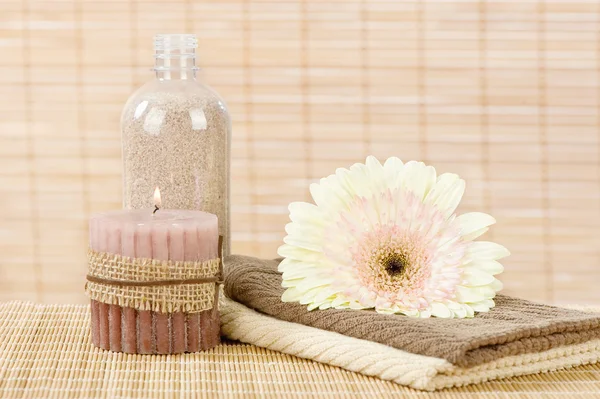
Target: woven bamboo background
505 93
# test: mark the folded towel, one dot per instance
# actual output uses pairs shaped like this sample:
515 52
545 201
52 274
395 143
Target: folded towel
369 358
514 327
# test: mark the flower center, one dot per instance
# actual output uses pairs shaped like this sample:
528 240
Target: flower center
395 263
391 261
396 249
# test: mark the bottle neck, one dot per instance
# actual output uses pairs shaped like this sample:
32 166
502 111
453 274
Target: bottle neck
175 64
176 74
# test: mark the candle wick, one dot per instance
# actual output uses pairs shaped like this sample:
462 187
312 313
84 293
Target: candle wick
155 209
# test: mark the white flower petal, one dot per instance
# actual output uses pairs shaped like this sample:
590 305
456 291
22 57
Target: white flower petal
354 183
306 232
304 242
382 303
480 306
308 296
356 305
474 222
291 295
496 285
459 313
486 250
289 283
288 264
438 309
393 170
312 282
373 163
304 212
384 311
468 310
339 300
317 193
408 312
418 178
477 277
490 303
326 294
375 174
474 294
489 266
475 234
453 305
468 294
345 180
330 195
299 270
357 181
366 298
446 194
301 254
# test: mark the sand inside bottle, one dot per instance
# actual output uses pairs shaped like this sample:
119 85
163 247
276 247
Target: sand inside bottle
178 143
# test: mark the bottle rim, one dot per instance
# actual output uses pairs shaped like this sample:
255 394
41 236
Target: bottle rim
175 41
170 69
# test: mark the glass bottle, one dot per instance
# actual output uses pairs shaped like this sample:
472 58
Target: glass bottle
176 136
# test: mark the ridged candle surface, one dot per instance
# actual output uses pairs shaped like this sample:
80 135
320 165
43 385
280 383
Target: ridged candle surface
176 235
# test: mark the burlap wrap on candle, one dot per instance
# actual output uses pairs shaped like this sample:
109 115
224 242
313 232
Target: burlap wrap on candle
162 296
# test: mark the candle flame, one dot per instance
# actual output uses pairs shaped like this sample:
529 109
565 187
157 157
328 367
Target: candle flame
157 200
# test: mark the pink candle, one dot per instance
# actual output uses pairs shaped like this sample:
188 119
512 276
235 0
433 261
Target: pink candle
168 234
175 235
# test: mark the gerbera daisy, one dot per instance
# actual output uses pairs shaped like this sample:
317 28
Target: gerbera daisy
387 237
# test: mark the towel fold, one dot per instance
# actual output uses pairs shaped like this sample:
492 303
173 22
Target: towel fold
514 327
241 323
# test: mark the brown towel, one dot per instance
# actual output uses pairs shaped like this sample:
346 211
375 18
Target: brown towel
515 326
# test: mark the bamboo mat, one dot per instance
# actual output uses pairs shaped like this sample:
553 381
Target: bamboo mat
505 93
46 352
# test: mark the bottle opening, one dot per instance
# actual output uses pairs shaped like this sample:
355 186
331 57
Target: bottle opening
178 41
175 52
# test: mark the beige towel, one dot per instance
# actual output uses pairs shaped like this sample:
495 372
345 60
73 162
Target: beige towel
513 327
369 358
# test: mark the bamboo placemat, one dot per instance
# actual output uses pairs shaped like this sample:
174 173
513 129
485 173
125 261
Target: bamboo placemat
505 93
46 352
